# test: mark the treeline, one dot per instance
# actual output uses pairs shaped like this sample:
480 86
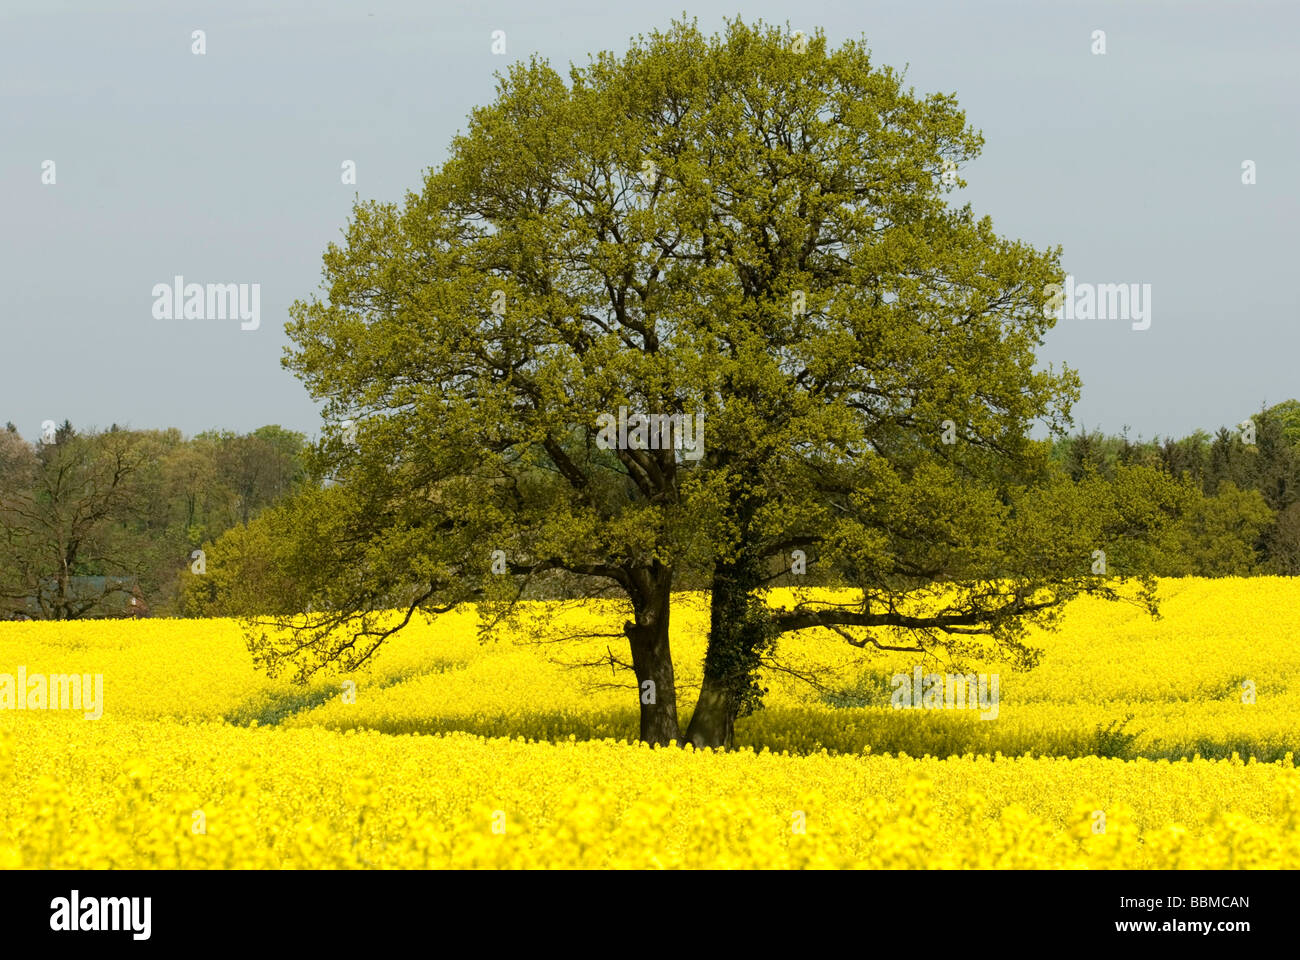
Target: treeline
131 506
137 504
1233 497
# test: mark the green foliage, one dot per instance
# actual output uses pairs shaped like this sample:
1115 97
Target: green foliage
1236 515
1115 739
131 503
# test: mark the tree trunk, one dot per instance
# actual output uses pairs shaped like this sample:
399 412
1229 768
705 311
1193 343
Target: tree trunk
652 661
713 724
738 636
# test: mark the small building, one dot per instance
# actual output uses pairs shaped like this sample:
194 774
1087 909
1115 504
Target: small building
90 598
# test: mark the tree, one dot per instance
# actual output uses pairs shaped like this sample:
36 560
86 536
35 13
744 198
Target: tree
1285 542
1086 452
749 228
1287 413
66 510
251 470
1187 457
1221 535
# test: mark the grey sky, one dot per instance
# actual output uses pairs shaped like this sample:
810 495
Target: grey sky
226 168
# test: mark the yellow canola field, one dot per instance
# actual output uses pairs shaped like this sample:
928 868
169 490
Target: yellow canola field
199 761
162 794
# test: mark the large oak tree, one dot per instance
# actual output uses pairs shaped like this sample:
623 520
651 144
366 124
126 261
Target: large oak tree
753 227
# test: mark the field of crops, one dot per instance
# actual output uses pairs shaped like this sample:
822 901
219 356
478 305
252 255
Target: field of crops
1135 743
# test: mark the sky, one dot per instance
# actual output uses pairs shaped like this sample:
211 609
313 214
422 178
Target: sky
225 167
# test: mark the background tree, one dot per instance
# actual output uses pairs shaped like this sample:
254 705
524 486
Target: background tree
65 509
248 471
1285 542
127 503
